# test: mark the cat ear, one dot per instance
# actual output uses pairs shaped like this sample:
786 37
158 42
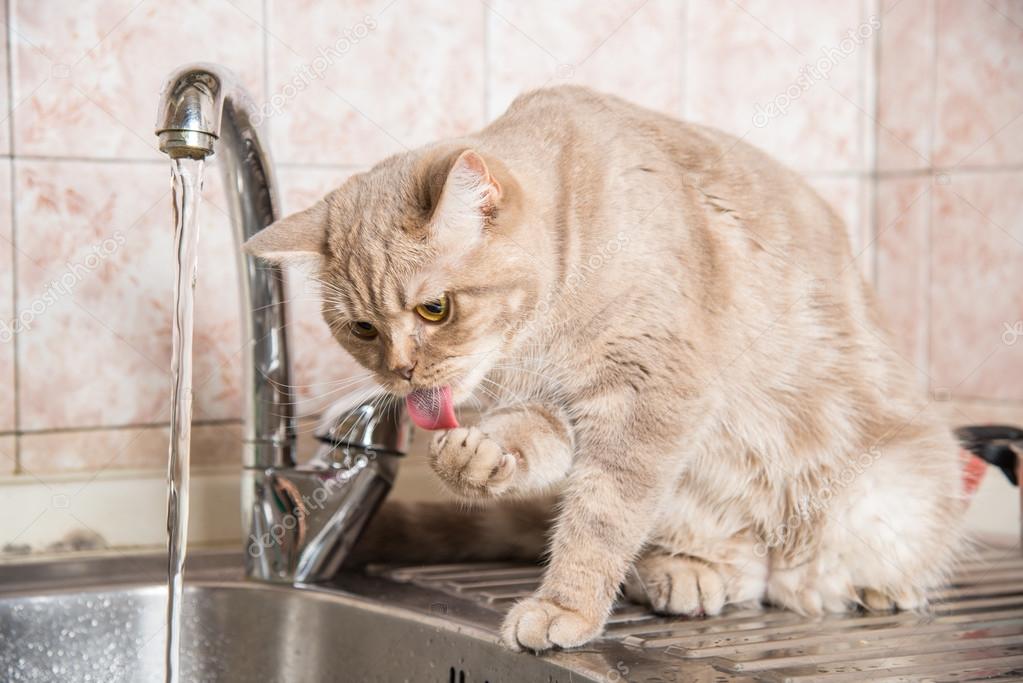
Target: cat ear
300 238
468 201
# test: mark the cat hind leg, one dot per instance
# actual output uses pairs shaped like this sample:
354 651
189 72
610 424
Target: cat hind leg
680 584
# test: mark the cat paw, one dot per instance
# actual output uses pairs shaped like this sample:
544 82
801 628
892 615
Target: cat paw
537 624
471 463
885 601
677 585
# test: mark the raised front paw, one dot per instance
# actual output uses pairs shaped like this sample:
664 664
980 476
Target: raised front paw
538 624
471 463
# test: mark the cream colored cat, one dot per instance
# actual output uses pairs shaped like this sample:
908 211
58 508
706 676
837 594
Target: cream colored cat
669 332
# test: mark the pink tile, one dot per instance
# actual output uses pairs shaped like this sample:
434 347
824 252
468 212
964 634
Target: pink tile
747 73
846 195
301 187
87 75
976 299
353 82
8 455
968 412
903 216
7 398
979 71
95 350
322 368
906 85
218 343
5 103
217 445
629 48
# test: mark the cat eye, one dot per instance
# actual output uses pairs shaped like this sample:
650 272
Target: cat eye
364 330
434 311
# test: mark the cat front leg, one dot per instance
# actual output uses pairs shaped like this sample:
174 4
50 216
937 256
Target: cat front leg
608 509
514 451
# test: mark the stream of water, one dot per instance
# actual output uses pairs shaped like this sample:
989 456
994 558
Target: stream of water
187 185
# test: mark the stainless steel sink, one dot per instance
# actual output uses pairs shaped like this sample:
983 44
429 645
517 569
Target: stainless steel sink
244 632
101 619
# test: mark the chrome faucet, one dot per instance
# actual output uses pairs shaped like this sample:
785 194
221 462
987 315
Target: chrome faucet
299 520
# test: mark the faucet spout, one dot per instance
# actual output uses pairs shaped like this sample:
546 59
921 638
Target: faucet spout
299 521
204 104
190 112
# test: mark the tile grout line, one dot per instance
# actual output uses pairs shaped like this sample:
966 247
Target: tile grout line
928 277
88 160
869 135
48 431
349 167
10 78
948 170
45 158
486 64
321 166
932 122
265 8
131 474
927 322
684 61
12 188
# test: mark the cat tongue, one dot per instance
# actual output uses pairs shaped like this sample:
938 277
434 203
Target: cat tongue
432 408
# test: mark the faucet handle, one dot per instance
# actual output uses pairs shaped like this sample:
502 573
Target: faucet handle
321 507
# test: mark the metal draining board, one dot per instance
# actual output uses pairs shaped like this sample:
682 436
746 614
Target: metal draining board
972 629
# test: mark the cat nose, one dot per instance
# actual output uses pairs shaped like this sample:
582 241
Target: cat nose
405 370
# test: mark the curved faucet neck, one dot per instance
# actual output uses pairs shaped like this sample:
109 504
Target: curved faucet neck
203 106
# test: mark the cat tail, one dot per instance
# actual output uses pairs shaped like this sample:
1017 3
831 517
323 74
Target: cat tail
425 533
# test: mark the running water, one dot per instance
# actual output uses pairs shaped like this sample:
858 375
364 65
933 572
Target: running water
187 183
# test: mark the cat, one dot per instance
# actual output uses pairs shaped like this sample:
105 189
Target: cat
670 338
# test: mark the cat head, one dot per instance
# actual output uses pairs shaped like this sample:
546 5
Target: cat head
421 277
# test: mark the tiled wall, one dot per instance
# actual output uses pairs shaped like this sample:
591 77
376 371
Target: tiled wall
905 114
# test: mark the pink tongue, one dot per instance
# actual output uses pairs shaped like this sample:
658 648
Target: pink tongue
432 408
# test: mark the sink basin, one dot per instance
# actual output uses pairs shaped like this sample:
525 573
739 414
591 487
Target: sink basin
102 619
240 632
235 630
